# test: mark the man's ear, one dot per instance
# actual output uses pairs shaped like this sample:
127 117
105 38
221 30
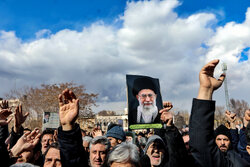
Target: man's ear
119 141
137 97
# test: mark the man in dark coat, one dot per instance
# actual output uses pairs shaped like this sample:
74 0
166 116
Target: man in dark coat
202 141
69 134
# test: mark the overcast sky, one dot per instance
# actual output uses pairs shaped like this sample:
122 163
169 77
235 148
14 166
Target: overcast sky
96 43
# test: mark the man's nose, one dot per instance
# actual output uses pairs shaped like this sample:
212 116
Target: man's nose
156 149
147 98
53 164
98 156
47 142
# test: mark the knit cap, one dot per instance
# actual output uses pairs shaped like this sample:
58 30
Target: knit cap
117 132
222 130
153 139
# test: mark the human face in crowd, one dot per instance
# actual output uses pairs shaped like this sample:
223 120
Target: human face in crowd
155 153
117 164
113 142
46 141
139 137
85 146
26 156
97 155
129 138
146 98
222 142
52 158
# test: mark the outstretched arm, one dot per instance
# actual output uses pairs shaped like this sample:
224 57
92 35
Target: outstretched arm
203 147
69 134
177 154
69 109
17 130
27 142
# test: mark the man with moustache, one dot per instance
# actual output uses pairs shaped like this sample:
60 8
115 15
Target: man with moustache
145 92
223 138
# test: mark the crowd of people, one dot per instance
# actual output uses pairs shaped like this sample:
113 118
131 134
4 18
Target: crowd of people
199 144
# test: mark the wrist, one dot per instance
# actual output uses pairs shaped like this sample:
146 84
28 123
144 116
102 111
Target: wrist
205 93
14 151
16 129
232 125
67 127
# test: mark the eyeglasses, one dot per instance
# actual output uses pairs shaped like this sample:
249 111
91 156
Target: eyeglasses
144 96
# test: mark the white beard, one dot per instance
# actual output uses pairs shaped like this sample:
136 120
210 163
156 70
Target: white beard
147 112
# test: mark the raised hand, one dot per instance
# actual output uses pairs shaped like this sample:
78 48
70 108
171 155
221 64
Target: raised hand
96 132
5 112
207 81
231 117
167 105
69 109
166 116
27 142
19 118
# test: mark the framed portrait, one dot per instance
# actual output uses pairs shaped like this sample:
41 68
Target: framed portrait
144 102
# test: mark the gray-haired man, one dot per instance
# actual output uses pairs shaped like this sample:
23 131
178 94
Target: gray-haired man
99 147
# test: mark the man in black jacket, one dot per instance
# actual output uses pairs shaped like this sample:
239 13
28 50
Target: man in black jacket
202 141
69 134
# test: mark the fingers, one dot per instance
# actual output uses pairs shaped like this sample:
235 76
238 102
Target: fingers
26 134
5 122
66 96
208 69
167 118
210 65
33 134
167 106
60 99
72 95
9 119
5 113
220 80
163 110
227 112
4 104
20 109
26 114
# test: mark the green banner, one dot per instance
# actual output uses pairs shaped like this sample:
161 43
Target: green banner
146 126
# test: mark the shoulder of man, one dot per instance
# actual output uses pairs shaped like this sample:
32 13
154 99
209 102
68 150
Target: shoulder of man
236 159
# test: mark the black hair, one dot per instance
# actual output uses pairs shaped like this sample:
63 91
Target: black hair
53 145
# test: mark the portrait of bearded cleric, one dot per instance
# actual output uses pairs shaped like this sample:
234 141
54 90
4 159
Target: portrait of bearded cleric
144 99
